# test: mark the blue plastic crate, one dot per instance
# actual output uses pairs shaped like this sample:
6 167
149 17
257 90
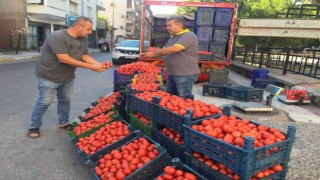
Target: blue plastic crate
221 34
217 90
204 17
139 105
244 161
244 93
148 171
204 33
223 17
259 73
218 49
117 77
97 154
175 149
177 164
209 173
171 119
138 124
262 82
203 45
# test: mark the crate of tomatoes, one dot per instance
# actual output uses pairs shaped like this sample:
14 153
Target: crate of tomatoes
241 145
92 144
179 170
141 122
134 157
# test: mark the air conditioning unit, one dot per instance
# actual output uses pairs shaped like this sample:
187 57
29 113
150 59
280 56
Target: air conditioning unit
121 27
111 4
123 16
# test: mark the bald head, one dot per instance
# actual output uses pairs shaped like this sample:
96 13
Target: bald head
81 21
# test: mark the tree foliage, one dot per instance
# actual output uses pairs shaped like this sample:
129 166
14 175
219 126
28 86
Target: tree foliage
263 9
102 21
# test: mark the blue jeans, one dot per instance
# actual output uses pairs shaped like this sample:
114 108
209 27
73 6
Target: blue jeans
47 92
180 85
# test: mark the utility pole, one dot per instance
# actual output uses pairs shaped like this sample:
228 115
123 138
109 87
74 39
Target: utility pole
112 30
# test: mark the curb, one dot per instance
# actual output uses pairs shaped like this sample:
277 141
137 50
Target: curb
17 59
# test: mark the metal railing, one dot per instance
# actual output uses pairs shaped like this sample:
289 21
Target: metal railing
300 61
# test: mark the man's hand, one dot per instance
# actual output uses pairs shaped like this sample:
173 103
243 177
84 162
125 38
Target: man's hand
97 67
147 54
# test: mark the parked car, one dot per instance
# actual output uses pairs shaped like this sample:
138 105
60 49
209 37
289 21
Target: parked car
127 51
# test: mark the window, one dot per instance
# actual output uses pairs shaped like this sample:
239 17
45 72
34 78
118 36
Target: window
73 7
129 3
89 10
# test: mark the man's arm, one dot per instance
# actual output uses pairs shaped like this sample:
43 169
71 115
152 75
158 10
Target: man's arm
65 58
165 51
88 59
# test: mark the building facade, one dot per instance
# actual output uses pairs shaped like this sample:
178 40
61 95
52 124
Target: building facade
123 16
32 21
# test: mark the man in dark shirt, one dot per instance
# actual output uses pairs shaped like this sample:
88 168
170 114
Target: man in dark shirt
181 57
63 51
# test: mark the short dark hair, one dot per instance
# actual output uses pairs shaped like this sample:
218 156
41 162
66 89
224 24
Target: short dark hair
81 20
178 20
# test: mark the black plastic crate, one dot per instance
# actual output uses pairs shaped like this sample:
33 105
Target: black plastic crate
214 90
218 49
203 45
175 149
221 34
218 76
204 33
223 17
120 85
244 161
244 93
177 164
148 171
204 17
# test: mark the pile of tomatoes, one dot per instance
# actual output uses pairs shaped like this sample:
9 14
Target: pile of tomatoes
96 121
103 137
171 172
179 105
233 131
142 118
122 162
139 66
146 82
231 174
107 64
173 135
104 104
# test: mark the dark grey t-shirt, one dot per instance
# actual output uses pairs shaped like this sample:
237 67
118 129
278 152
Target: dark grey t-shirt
185 62
60 42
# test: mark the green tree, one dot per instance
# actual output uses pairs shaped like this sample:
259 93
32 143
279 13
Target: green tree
102 21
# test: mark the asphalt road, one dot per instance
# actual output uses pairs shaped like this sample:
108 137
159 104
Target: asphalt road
52 156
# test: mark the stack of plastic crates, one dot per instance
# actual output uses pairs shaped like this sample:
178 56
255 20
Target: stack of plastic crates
218 81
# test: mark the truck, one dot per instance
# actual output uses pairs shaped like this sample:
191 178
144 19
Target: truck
214 24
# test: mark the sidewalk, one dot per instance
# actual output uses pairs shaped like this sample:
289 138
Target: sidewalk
11 56
304 113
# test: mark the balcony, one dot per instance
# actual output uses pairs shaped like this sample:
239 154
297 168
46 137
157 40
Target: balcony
129 21
130 9
129 33
100 6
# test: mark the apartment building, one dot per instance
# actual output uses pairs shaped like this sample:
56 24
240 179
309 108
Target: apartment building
123 16
33 20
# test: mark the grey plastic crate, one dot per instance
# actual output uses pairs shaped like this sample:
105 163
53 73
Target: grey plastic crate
218 76
218 49
221 34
